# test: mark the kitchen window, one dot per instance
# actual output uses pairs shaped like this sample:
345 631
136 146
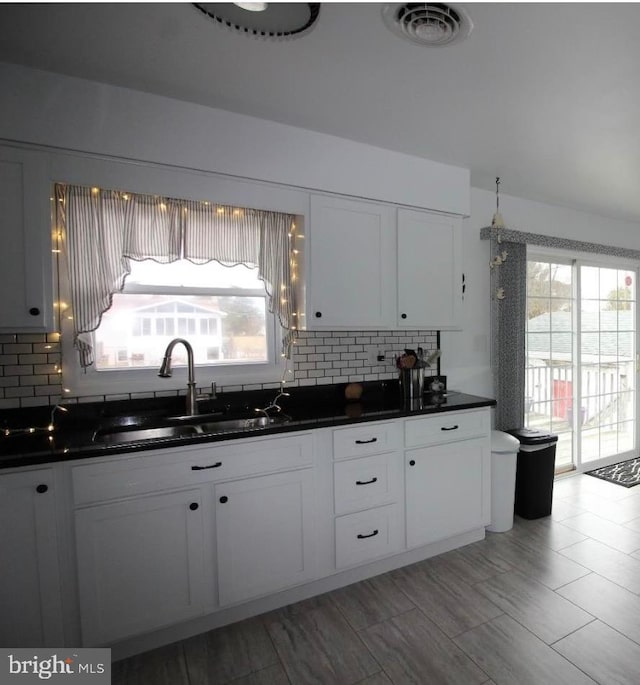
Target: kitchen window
142 270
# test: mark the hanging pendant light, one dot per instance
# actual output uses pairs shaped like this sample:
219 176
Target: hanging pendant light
497 221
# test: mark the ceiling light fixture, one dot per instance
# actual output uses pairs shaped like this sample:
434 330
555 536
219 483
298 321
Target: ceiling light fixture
276 21
252 6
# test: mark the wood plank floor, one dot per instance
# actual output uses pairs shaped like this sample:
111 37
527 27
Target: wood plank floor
554 600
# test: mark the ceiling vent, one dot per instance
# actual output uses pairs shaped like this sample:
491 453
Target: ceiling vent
432 24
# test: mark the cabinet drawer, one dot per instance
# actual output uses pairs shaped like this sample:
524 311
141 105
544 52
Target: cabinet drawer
179 467
368 534
446 427
364 439
366 482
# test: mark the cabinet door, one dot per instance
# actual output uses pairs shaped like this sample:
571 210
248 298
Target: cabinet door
445 490
429 270
352 264
140 565
30 598
265 534
25 233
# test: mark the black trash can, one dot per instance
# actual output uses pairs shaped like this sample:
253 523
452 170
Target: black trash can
535 472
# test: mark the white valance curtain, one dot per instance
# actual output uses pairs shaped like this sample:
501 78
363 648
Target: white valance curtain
106 229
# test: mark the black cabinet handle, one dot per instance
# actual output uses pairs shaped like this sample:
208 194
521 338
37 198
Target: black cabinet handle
367 482
412 462
362 537
366 442
450 428
42 488
211 466
224 499
318 315
193 506
34 311
403 316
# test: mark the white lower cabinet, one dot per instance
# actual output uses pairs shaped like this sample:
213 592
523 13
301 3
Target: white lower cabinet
30 594
367 492
140 564
264 534
445 490
169 535
159 534
368 534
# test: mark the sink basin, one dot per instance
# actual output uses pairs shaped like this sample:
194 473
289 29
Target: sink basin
239 425
115 436
194 418
120 435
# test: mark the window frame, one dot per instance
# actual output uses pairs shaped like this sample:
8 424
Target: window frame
79 382
577 260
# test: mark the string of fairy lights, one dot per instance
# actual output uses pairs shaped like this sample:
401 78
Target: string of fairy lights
64 314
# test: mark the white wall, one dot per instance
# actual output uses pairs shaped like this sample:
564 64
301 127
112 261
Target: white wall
75 114
47 109
466 354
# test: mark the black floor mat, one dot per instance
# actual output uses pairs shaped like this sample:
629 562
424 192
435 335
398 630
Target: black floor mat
625 473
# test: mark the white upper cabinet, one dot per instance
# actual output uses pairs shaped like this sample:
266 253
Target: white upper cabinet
378 266
25 232
429 270
351 279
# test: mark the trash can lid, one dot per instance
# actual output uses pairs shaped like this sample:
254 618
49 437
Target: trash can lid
530 436
503 443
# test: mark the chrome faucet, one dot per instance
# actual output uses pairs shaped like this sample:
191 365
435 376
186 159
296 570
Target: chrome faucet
165 372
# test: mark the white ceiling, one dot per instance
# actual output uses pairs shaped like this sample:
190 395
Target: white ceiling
546 96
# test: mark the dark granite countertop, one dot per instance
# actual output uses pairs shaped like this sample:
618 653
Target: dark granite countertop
307 408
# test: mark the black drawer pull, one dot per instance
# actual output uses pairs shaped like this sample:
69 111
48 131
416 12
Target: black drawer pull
412 462
366 442
193 506
42 488
362 537
451 428
211 466
366 482
34 311
224 499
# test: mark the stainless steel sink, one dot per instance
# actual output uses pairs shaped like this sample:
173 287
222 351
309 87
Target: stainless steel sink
120 435
239 425
115 436
195 418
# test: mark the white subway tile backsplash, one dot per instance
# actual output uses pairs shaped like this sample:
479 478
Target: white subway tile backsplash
29 364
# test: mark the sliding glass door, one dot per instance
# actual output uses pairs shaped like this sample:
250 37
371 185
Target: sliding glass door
607 362
580 358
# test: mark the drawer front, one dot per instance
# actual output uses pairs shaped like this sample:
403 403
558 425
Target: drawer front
364 439
179 467
368 535
446 427
367 481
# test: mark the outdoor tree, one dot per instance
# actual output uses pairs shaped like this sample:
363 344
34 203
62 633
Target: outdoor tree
619 299
547 288
244 316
